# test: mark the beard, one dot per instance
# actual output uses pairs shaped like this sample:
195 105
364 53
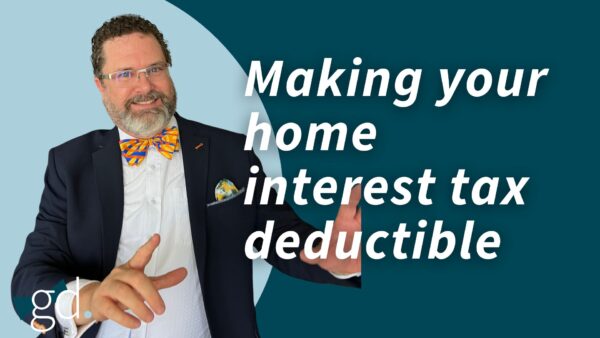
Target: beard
143 123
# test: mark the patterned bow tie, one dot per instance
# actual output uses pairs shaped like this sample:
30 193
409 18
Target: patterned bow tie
134 150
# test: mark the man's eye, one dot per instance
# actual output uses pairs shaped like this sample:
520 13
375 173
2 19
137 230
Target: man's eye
126 74
155 69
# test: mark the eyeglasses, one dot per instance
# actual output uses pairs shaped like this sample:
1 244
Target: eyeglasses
125 77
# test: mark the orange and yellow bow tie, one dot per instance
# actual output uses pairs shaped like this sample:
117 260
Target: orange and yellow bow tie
134 150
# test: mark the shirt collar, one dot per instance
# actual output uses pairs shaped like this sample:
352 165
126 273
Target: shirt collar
124 136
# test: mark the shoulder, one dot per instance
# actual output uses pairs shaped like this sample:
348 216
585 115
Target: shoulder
88 142
77 153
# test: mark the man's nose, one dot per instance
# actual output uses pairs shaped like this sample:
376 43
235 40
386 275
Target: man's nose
142 83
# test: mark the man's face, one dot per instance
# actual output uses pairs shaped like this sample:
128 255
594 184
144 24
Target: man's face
144 105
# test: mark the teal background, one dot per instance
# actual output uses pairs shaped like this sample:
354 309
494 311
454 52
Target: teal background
545 281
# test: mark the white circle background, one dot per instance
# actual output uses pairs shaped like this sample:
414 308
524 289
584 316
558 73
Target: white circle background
48 97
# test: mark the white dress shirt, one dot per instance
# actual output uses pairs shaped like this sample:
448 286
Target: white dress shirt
155 201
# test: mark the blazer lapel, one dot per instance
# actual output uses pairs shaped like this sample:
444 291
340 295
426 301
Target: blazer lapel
195 150
109 178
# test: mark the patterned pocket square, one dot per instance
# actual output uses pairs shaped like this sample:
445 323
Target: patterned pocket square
224 191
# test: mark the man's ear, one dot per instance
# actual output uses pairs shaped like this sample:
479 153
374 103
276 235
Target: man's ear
99 85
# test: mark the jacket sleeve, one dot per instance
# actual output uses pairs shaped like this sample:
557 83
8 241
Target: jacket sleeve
44 266
285 219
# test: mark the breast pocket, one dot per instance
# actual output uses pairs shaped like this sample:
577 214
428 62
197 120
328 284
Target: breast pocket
230 212
239 194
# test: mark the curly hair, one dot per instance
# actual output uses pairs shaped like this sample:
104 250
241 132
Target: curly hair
119 26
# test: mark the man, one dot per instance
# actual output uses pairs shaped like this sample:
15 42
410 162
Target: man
132 212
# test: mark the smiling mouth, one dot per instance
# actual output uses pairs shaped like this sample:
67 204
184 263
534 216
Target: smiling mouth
149 104
141 103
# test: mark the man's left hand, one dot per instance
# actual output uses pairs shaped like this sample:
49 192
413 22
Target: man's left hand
348 220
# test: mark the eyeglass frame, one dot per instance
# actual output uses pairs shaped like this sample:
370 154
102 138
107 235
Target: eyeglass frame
111 76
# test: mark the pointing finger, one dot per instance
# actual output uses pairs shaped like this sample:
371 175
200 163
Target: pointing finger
169 279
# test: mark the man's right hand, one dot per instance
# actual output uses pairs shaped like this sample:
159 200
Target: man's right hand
127 287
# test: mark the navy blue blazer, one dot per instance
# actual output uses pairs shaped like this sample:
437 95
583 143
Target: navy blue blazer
78 226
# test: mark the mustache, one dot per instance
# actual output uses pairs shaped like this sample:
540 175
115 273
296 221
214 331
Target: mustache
152 95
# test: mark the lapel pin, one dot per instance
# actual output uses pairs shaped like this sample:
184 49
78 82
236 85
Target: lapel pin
198 146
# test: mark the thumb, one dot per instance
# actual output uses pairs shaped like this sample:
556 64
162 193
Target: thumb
144 253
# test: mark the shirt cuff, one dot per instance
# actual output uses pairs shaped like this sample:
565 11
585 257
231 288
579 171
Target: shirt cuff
348 276
64 310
